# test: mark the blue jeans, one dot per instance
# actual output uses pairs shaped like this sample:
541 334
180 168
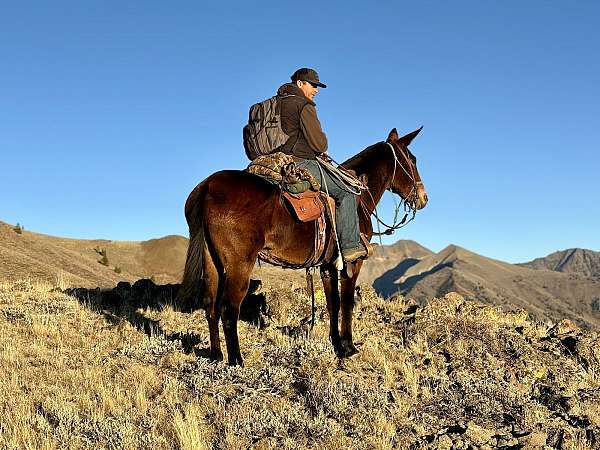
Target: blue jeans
346 214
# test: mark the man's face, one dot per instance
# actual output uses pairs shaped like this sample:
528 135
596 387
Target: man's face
307 89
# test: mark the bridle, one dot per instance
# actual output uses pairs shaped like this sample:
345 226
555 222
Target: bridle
409 203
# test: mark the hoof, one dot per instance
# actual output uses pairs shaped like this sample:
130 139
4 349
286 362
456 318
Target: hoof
216 356
347 350
236 361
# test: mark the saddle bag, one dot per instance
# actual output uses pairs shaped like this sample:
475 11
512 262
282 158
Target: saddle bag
306 206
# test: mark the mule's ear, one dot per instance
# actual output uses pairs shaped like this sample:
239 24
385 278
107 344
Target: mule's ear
406 140
393 136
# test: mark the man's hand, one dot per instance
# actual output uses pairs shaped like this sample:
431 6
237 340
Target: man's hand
326 157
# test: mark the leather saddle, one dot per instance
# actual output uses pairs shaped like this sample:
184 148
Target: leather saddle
310 206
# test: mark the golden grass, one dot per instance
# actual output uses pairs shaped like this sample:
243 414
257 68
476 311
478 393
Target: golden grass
75 377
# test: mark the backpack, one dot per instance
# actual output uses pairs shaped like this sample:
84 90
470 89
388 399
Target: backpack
263 134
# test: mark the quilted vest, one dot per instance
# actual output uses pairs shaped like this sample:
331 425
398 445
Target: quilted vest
291 108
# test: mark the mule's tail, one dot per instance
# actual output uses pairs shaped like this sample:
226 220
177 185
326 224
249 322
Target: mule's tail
192 284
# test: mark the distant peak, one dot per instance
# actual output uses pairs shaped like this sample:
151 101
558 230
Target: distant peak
452 248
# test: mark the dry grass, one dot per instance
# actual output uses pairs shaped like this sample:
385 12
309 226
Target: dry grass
454 373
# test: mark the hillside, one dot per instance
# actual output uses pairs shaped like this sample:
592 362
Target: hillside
75 261
575 260
547 295
132 373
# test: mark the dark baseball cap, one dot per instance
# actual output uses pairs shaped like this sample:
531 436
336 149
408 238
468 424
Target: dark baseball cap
310 75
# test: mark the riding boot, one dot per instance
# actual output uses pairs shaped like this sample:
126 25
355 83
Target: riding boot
354 254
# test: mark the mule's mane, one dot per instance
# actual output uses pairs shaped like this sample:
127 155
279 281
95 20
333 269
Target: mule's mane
358 159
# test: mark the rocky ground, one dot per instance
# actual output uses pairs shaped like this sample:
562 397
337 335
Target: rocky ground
124 369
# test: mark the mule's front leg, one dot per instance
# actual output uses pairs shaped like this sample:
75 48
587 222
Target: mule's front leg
329 276
347 343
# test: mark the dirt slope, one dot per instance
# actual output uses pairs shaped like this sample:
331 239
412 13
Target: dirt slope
74 262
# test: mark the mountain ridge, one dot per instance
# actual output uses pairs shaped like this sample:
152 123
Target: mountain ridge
547 294
571 260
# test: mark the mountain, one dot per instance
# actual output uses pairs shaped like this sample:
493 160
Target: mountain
545 294
75 261
574 260
386 257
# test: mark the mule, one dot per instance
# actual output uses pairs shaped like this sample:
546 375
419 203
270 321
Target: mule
233 215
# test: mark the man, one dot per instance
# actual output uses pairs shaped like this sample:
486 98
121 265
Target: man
307 141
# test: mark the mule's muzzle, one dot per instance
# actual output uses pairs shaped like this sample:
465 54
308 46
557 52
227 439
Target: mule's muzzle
422 198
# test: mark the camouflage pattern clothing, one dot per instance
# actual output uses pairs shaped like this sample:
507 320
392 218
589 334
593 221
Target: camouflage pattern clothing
281 169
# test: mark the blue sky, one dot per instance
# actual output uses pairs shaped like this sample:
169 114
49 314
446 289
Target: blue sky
111 112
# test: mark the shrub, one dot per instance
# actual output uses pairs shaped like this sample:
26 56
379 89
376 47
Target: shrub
104 259
117 269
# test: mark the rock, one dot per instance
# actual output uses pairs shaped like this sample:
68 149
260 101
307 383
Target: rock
563 328
478 435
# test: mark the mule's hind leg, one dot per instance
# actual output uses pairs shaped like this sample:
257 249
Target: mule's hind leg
347 300
330 278
237 280
211 305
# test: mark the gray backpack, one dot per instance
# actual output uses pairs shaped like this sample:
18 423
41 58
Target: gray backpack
263 134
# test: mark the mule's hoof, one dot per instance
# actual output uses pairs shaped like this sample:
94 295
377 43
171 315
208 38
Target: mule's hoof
236 361
216 356
348 349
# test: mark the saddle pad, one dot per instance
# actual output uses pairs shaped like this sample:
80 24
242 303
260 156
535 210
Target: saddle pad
307 206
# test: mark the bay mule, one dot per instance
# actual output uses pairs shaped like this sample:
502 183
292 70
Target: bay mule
233 215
